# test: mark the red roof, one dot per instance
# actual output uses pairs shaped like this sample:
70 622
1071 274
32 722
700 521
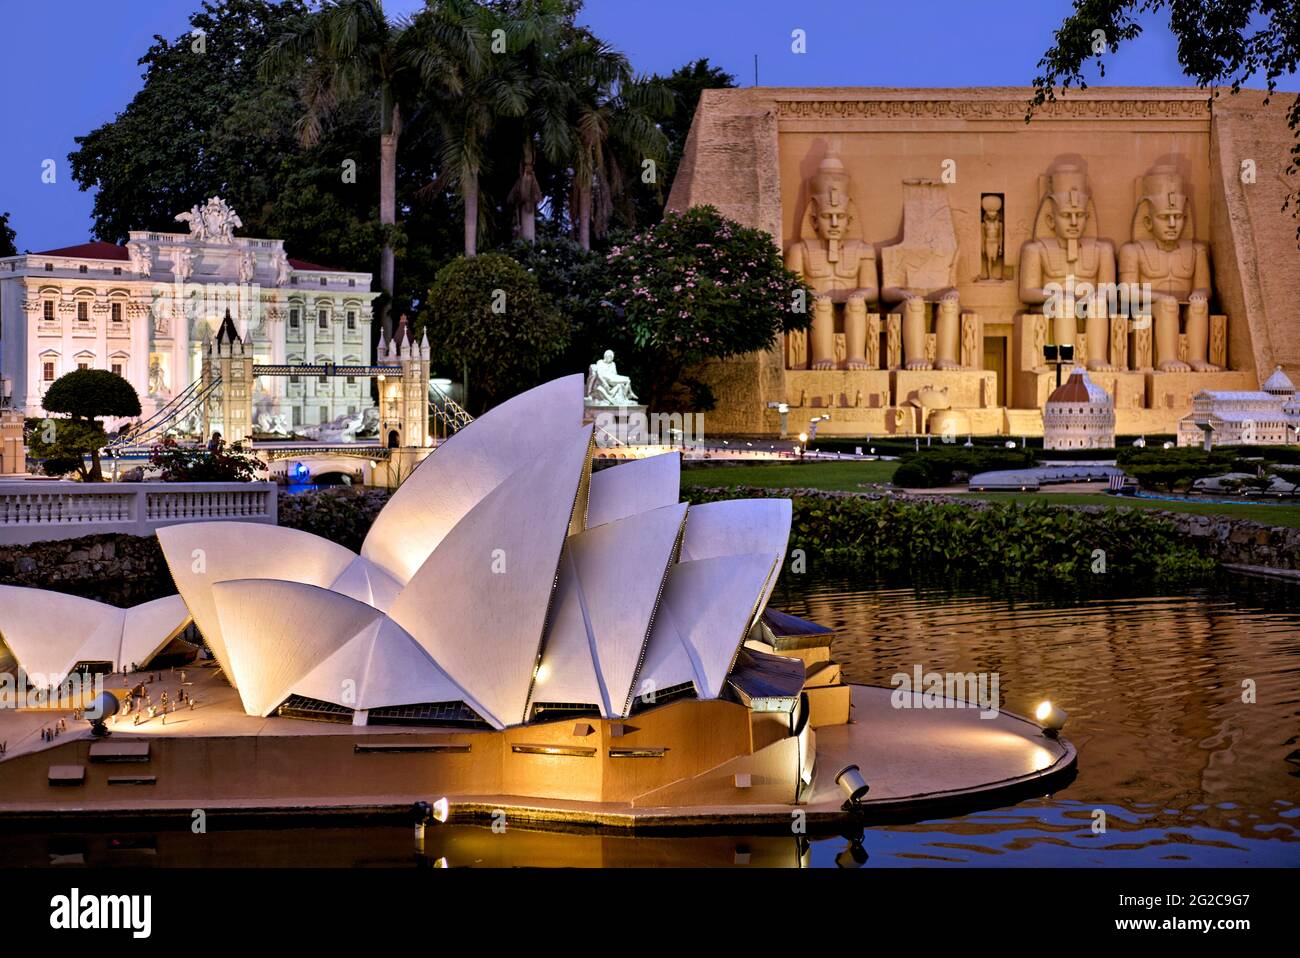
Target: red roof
314 267
95 250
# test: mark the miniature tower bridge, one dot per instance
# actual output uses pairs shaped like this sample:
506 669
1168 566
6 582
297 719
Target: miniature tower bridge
223 394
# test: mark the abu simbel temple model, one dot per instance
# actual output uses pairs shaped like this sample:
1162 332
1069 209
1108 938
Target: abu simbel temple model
948 244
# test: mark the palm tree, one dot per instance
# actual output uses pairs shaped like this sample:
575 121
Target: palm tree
350 49
611 115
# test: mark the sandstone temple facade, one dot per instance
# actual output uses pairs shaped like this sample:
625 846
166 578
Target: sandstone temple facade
948 242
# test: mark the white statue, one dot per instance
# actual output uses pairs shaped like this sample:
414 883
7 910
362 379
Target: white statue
214 222
157 377
343 428
182 263
605 387
247 266
281 262
141 258
273 424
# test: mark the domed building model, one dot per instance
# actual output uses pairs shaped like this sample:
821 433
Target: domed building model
1079 415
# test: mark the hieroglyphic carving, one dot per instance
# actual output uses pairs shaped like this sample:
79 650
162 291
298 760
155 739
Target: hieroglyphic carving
796 349
893 341
1141 345
1119 342
873 340
984 109
971 357
1219 341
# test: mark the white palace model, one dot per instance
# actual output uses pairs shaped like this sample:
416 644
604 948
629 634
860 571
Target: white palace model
143 309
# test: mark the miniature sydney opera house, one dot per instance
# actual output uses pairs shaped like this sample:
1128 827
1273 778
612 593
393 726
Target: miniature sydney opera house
517 630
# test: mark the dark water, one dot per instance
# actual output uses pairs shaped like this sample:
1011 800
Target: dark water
1185 771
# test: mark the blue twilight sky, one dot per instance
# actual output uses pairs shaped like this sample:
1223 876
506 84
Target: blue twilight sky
67 66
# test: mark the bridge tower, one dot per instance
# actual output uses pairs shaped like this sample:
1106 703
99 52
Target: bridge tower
229 361
404 398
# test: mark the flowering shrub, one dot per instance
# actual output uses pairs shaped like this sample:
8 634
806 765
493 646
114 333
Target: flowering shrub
699 286
220 463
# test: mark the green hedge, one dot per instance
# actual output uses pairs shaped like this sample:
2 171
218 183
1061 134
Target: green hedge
940 465
894 537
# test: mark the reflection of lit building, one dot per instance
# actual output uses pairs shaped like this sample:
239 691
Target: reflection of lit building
143 309
1267 416
1079 415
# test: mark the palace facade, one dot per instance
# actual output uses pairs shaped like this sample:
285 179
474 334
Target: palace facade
144 309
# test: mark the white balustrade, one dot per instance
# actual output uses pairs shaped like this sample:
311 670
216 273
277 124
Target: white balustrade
40 510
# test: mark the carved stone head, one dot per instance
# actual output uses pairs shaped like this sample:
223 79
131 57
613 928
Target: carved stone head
1163 207
830 207
1069 198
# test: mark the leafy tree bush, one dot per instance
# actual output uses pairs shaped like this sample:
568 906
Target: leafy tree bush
941 465
218 463
85 396
1178 468
492 324
891 537
60 445
696 287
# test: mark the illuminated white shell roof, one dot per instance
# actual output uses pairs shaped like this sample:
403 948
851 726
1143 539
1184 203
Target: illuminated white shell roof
49 633
503 575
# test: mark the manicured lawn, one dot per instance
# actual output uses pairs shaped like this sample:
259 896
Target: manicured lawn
1277 515
840 476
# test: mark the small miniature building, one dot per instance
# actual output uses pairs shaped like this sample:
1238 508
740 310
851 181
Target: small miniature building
1079 415
1267 416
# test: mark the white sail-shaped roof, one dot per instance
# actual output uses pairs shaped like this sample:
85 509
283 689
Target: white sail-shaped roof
50 632
608 592
202 554
707 609
277 630
739 527
638 485
464 469
479 603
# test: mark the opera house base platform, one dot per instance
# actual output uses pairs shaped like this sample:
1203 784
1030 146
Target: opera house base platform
647 772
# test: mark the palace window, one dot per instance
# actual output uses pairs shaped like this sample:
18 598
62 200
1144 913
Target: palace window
81 268
352 380
115 312
352 282
295 318
293 280
117 369
352 320
322 280
117 271
49 267
47 310
47 371
294 380
83 312
83 365
322 319
324 414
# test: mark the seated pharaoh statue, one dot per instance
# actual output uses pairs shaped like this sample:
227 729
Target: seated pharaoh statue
922 268
838 266
605 386
1067 269
1177 269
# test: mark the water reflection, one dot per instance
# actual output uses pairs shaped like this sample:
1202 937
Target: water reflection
1178 767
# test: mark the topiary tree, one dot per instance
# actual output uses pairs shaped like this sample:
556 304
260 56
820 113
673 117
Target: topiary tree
86 396
699 286
487 317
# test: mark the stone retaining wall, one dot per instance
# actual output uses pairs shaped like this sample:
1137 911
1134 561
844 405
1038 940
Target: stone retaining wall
118 569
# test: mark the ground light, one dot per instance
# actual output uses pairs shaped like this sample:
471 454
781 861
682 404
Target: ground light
854 785
1051 718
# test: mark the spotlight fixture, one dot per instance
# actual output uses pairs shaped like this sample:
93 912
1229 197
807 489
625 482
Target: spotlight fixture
1051 718
854 785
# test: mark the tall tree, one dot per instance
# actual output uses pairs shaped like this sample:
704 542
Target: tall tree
1220 42
7 236
611 114
349 49
200 124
